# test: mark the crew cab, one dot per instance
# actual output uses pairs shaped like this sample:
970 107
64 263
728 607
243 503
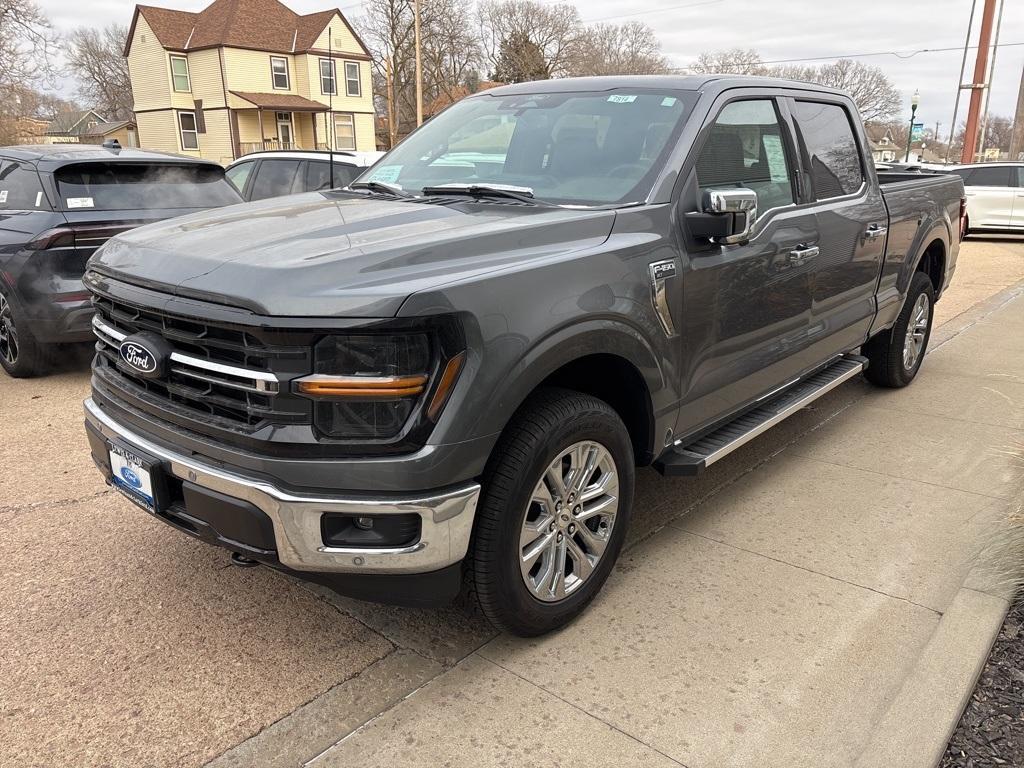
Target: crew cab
451 369
58 203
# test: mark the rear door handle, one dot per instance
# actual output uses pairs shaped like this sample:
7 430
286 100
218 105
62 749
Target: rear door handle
874 231
803 253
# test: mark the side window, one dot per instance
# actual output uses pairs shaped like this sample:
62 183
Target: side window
239 174
1020 176
318 175
20 188
274 178
745 148
829 149
995 176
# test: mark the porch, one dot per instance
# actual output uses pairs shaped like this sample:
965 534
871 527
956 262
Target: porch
286 121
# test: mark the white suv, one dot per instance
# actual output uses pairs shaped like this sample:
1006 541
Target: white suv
995 195
288 172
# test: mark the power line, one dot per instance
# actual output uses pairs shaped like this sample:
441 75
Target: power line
654 10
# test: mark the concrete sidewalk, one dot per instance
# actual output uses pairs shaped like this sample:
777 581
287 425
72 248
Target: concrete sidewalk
810 612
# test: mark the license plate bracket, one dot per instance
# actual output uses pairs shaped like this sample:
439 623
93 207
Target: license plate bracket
137 476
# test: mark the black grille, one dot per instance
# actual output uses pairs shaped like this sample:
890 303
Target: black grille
193 393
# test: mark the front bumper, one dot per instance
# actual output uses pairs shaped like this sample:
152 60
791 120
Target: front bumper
446 517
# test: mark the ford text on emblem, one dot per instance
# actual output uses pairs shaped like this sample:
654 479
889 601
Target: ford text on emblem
145 354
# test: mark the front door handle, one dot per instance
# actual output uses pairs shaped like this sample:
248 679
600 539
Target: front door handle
874 231
803 253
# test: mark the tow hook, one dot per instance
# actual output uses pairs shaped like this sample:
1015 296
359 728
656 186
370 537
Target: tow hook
242 561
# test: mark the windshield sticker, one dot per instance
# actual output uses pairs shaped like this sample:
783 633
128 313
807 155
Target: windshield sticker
618 98
386 173
39 199
668 101
80 202
776 158
3 195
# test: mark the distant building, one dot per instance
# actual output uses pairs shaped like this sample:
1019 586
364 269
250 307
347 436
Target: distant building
124 132
246 75
69 127
883 148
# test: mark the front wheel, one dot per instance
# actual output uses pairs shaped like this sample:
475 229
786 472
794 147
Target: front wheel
554 512
895 356
20 353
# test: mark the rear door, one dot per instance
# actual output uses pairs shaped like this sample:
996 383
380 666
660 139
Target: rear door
746 307
990 196
851 219
1017 219
276 177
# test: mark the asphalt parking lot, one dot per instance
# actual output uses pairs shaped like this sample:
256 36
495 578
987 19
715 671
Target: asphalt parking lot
124 642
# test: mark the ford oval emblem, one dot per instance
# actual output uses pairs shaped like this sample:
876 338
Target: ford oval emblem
137 357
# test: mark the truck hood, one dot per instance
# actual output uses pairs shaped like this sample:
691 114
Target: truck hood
337 255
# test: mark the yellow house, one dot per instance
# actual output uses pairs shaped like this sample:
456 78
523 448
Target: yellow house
246 75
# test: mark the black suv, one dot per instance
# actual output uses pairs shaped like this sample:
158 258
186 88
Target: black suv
58 203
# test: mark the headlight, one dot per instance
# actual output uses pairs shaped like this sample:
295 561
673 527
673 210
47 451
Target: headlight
367 386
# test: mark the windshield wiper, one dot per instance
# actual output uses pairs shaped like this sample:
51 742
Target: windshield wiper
382 188
522 194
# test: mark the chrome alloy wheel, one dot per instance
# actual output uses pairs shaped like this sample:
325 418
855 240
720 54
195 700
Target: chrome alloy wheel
8 333
917 327
568 521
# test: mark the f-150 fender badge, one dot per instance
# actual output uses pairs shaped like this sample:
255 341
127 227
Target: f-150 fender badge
661 271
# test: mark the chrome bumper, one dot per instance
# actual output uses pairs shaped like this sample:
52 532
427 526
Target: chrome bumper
447 518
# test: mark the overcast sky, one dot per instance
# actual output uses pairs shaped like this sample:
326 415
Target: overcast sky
779 29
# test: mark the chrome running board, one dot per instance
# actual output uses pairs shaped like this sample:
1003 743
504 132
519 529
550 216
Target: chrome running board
692 458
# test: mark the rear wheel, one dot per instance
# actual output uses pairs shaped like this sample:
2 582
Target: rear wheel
20 353
554 512
895 355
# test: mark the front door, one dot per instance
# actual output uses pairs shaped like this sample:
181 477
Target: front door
285 135
746 307
852 220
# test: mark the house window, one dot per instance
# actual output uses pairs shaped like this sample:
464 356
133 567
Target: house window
352 78
327 80
189 131
279 72
344 132
179 74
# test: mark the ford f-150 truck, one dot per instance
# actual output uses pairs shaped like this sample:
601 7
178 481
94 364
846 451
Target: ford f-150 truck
449 371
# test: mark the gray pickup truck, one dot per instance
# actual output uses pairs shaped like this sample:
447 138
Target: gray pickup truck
450 370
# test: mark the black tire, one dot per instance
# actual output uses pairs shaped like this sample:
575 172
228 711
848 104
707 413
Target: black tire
885 352
20 354
550 422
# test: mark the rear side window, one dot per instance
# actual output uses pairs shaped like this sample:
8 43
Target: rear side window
995 176
239 174
143 186
744 148
20 188
829 148
274 178
318 175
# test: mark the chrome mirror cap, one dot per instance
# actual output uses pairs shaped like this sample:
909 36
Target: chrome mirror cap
739 202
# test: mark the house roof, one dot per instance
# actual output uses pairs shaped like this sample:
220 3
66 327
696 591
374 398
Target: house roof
262 25
102 129
64 123
285 102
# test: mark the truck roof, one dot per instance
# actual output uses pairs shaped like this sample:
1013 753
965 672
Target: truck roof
53 156
668 82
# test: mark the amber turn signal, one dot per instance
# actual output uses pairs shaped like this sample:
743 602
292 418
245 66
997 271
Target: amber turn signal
444 387
361 386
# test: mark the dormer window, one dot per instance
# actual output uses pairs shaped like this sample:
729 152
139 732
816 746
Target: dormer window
179 74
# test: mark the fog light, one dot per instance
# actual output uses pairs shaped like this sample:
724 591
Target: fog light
362 532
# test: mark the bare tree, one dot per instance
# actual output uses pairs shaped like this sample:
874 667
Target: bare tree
96 59
735 61
555 29
26 45
618 49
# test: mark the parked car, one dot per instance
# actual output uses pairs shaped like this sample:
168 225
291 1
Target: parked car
287 172
455 368
995 196
58 203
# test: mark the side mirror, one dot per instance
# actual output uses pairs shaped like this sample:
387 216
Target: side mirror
727 215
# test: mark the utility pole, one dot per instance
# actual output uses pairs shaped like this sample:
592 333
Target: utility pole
979 84
419 63
390 98
991 77
960 82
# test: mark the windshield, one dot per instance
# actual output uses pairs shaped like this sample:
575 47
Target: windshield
592 148
143 186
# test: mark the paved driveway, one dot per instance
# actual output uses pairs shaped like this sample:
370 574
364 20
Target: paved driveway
768 613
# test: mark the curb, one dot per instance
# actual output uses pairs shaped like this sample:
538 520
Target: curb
920 720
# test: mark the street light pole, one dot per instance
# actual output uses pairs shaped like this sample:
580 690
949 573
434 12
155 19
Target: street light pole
419 62
914 101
